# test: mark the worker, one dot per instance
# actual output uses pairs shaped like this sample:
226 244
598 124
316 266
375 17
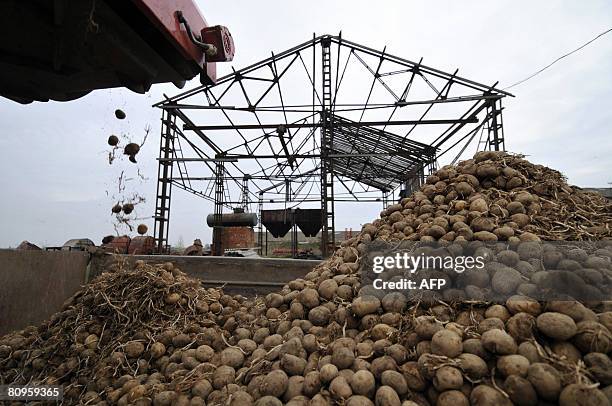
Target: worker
195 249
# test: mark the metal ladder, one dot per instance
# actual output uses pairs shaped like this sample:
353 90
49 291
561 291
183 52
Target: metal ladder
328 236
165 170
495 128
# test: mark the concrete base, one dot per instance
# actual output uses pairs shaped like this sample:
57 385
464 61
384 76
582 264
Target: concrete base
35 284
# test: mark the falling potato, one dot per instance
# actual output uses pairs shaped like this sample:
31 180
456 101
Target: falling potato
116 208
113 140
128 208
142 229
120 114
131 149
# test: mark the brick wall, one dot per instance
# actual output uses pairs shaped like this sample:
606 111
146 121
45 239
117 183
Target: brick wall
237 237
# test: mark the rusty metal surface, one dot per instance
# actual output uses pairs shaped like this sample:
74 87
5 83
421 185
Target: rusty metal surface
34 284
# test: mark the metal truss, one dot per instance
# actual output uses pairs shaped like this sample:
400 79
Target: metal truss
324 122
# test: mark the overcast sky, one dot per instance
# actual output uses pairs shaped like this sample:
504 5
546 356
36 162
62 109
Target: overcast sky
57 183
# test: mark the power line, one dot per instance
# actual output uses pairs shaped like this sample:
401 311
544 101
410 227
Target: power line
558 59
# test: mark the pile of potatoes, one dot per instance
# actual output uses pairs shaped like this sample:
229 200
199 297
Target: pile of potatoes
328 339
497 197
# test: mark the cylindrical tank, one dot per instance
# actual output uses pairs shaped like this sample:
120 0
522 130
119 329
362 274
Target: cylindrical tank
233 220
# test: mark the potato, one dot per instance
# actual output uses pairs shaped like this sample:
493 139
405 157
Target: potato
447 378
600 366
452 398
223 375
157 350
274 384
506 280
327 289
312 383
485 395
427 326
202 388
319 316
414 379
238 398
268 401
339 388
473 366
447 343
395 380
164 398
518 303
292 364
592 337
342 357
498 342
394 302
319 400
521 326
386 396
364 305
363 383
513 365
309 298
567 350
490 324
521 391
497 311
295 386
576 310
381 364
576 394
546 380
358 400
556 325
232 357
328 372
474 346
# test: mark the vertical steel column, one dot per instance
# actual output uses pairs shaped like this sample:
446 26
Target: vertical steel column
246 202
217 249
164 180
385 199
495 128
328 234
260 237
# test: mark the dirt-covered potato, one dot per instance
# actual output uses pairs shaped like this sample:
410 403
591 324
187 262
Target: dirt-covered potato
363 383
274 384
452 398
485 395
447 343
385 395
556 325
498 342
521 391
582 395
546 380
340 389
513 365
448 378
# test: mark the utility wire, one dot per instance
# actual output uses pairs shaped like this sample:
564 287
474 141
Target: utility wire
558 59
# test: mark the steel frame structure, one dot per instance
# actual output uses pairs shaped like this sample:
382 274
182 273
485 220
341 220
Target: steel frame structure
251 138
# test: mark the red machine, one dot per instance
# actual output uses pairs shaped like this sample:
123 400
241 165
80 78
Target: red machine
62 50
